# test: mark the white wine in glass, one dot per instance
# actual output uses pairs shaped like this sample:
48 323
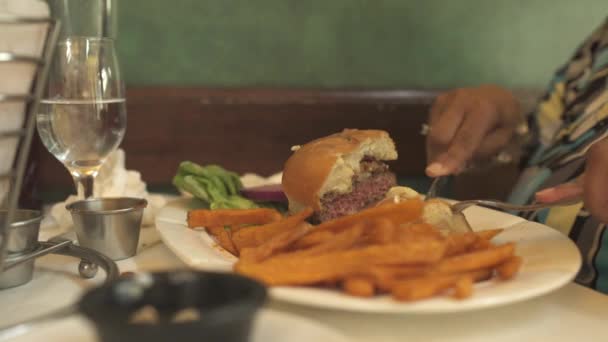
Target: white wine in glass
83 117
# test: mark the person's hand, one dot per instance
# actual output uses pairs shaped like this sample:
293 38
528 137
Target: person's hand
469 123
592 185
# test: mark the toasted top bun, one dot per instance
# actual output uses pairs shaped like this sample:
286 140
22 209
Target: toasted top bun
328 165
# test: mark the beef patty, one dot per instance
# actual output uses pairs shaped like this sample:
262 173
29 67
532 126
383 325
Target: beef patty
369 187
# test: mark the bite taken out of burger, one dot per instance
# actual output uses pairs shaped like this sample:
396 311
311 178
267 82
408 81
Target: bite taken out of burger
340 174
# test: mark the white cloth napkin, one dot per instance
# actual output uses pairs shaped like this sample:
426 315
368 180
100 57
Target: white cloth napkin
113 180
251 180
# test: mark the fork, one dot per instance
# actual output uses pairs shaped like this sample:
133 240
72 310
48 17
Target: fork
438 182
460 221
458 207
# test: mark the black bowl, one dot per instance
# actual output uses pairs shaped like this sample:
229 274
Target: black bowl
146 307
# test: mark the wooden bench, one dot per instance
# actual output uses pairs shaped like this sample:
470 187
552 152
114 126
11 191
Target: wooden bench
252 130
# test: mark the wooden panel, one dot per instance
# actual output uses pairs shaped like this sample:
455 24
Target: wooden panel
252 129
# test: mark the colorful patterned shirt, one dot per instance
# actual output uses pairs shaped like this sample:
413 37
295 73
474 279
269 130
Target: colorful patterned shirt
571 116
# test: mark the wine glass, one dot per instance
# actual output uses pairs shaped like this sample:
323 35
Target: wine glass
82 117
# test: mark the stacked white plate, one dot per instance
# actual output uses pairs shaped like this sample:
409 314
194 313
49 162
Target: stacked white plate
17 77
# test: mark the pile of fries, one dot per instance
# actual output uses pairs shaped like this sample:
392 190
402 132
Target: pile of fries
384 249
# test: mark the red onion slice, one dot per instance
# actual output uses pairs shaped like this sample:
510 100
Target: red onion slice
265 193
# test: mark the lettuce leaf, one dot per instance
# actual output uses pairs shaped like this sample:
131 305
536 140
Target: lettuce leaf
212 184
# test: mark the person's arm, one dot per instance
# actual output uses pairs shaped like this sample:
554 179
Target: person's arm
592 185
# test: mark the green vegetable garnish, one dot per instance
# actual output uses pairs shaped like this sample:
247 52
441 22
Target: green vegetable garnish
214 185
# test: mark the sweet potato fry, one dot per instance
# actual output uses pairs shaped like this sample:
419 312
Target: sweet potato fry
380 231
340 241
421 288
293 270
480 274
509 268
484 238
384 276
383 249
222 237
313 239
277 243
432 284
463 287
398 213
475 260
257 235
458 243
417 230
489 234
229 217
358 286
236 227
481 244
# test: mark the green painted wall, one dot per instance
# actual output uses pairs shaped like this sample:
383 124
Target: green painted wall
350 43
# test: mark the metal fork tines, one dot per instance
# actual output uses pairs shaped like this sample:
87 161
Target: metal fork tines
437 184
460 206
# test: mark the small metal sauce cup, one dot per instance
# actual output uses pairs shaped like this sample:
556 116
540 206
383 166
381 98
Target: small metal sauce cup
22 239
23 231
19 274
110 226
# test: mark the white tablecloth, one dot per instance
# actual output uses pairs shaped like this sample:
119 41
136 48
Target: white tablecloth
569 314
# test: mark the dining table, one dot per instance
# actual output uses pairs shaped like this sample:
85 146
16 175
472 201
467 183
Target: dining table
570 313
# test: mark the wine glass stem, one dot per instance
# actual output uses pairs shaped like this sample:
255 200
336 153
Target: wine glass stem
84 185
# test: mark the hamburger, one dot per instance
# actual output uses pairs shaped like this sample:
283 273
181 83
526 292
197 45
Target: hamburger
339 174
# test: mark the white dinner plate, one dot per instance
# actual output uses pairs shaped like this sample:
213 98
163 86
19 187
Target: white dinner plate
270 325
550 260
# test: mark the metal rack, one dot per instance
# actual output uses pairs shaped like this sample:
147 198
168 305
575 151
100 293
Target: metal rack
89 258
